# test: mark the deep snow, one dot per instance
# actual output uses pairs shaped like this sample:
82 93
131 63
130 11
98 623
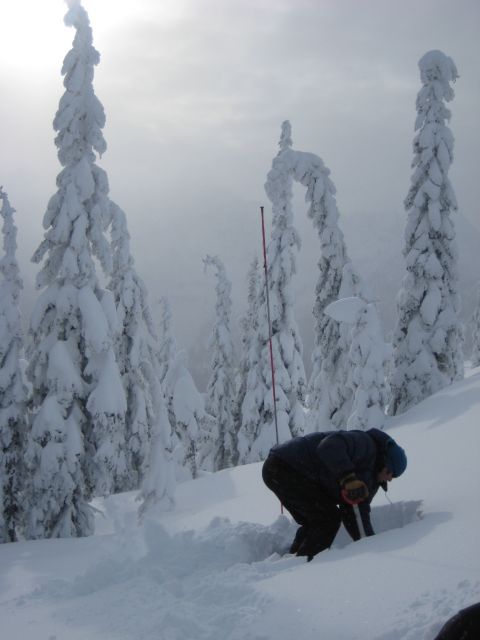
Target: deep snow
210 568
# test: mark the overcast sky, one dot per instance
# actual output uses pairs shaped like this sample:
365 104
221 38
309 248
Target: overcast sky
195 92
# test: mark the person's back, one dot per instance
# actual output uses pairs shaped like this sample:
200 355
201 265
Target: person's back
299 452
327 457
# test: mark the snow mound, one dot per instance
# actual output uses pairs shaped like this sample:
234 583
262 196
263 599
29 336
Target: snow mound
221 545
190 584
187 585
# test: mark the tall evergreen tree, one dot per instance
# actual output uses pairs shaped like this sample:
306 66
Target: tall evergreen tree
75 446
158 483
337 367
191 448
253 441
167 343
186 413
428 336
368 358
329 398
220 396
13 393
476 334
249 327
135 349
286 343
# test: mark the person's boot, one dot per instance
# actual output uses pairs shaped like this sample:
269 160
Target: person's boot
307 548
316 539
298 540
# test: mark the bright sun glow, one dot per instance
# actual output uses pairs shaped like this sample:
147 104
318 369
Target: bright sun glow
34 36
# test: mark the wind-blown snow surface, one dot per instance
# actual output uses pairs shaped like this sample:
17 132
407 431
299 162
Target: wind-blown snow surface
210 568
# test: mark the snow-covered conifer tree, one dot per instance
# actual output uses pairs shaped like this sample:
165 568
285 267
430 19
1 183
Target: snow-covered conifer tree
184 403
220 396
253 442
186 413
248 361
336 368
368 359
135 349
290 379
75 446
428 336
158 485
286 342
167 344
13 393
329 397
476 334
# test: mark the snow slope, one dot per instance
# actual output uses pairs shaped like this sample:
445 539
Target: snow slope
210 568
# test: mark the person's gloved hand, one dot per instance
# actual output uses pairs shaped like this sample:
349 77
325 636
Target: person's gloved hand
353 490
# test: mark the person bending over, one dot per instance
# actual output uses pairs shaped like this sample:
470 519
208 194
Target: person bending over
318 477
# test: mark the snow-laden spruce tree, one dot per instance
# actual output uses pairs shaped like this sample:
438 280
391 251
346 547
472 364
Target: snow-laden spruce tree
158 484
13 393
329 398
184 403
135 349
220 395
167 349
250 434
75 447
428 336
337 365
186 413
248 360
286 342
253 441
368 360
475 358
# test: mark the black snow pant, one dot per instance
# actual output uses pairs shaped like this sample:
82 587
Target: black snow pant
316 513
